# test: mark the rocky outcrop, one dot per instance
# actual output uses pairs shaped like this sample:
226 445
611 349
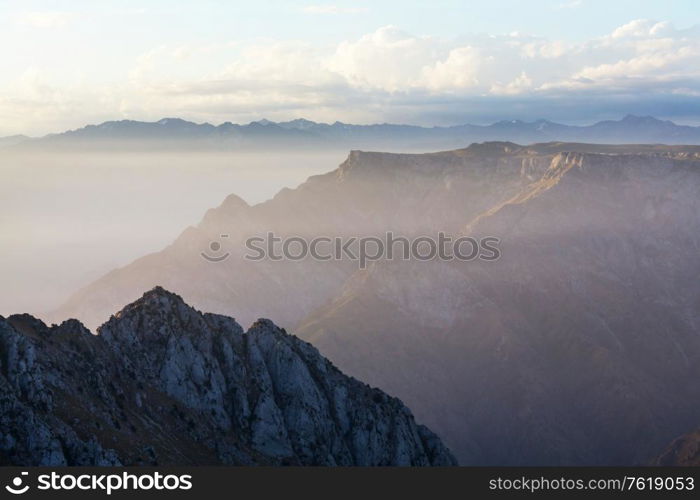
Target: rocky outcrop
162 383
684 451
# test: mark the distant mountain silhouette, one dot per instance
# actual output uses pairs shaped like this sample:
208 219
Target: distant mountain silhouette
12 140
175 133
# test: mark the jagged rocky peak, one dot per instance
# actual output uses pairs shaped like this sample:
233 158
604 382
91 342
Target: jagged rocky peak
27 323
163 383
72 327
155 306
158 299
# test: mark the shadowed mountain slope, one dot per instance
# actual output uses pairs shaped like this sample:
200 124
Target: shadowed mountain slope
164 384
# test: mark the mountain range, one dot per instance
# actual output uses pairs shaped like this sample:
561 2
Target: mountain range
163 384
175 133
579 346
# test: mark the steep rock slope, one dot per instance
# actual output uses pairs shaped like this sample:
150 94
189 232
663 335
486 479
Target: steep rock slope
581 345
165 384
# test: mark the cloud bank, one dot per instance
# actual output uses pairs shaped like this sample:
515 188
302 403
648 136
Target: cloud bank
386 75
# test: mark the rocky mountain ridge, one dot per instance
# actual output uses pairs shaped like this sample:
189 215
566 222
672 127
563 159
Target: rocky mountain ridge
163 384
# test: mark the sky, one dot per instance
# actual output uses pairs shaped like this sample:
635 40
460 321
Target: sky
65 64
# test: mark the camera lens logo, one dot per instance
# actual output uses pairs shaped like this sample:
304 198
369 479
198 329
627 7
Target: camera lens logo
215 248
16 487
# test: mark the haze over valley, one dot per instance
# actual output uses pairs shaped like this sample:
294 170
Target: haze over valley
77 204
69 217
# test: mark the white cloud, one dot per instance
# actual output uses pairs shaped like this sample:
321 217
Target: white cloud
284 62
641 28
545 49
460 70
642 54
387 59
522 83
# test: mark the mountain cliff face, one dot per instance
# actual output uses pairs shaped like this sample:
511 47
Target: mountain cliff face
162 383
579 345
